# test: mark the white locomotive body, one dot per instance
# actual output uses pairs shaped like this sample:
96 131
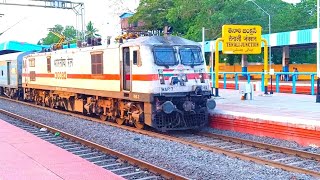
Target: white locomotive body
156 81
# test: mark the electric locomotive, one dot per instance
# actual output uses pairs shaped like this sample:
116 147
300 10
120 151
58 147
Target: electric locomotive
156 81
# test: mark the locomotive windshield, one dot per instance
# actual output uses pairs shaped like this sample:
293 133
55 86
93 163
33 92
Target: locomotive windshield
190 56
164 56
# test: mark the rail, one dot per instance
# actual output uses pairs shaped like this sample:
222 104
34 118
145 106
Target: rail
131 160
198 144
285 75
257 152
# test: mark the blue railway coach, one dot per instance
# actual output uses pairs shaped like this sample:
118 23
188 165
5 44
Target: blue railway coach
11 74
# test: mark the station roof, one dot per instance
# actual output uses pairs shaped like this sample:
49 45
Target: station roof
290 38
15 46
19 46
126 15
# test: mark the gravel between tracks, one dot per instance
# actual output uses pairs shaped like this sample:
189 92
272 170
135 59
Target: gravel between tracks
278 142
185 160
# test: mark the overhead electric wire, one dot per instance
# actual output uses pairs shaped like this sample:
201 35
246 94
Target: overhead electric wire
12 26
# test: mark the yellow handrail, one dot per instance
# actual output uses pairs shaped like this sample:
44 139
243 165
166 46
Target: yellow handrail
58 45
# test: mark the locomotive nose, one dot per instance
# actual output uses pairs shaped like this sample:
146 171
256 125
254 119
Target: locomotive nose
211 104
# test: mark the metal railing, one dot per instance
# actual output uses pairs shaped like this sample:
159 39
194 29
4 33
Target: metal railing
277 76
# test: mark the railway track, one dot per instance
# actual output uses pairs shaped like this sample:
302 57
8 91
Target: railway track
279 157
116 162
275 156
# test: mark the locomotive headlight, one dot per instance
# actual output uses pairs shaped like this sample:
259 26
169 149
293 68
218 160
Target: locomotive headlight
161 78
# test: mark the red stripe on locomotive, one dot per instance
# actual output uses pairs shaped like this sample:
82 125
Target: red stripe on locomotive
135 77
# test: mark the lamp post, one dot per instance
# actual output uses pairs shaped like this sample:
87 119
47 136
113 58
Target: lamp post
203 54
203 40
269 31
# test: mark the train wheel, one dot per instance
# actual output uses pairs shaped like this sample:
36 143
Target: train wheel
139 125
103 117
120 121
51 105
111 118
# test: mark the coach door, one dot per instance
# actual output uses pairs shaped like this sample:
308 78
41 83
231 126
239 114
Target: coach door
8 72
126 69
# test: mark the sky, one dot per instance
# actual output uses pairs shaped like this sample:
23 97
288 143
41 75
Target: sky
35 21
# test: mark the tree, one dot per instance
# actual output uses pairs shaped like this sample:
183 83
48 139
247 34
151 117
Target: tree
152 13
91 31
51 38
69 32
187 17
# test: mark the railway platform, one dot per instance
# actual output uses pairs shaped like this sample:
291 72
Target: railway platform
299 87
293 117
25 156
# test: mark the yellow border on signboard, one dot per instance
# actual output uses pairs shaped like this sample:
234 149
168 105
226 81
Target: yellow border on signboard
216 65
241 39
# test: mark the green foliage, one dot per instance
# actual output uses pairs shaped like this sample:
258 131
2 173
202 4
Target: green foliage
69 32
91 31
153 13
187 17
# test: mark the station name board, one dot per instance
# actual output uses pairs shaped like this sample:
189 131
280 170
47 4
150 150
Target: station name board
241 39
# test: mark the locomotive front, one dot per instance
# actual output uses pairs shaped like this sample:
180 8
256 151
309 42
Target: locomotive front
182 95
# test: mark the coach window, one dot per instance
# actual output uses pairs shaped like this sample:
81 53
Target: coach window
49 64
32 76
136 58
32 62
97 63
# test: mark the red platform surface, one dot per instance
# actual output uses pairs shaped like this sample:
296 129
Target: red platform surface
292 117
25 156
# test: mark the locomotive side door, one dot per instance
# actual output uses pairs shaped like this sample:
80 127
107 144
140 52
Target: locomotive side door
8 72
126 69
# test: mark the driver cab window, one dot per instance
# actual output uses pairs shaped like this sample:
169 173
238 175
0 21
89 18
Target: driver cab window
135 57
164 56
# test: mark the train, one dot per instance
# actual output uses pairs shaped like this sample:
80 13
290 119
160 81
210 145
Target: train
150 81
